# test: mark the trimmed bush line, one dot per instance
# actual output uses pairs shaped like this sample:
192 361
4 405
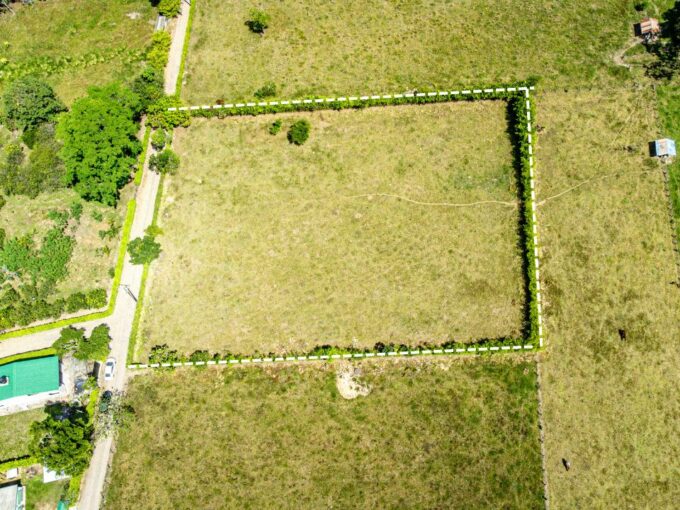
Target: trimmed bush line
114 289
185 49
142 156
41 353
18 462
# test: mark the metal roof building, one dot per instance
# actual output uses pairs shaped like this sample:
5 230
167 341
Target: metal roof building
29 376
665 147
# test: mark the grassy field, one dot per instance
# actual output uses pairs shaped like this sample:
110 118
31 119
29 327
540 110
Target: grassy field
431 434
610 404
316 47
14 433
669 110
75 28
357 237
43 496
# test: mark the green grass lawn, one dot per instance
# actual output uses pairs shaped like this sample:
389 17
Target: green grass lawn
74 28
359 47
439 433
14 433
389 225
43 496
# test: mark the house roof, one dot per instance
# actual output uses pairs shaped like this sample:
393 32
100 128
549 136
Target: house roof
10 497
30 376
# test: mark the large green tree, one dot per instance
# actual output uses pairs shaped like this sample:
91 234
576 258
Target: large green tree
100 146
73 341
62 441
29 101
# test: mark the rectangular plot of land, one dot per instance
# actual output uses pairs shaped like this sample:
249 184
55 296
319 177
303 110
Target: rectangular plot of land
393 225
429 434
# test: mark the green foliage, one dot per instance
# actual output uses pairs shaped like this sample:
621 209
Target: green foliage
185 50
267 90
62 441
275 127
163 354
169 8
165 162
73 341
96 298
100 144
76 301
76 210
158 115
299 132
143 250
28 102
148 86
258 22
43 171
158 52
160 138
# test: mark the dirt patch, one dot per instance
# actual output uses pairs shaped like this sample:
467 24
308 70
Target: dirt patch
348 382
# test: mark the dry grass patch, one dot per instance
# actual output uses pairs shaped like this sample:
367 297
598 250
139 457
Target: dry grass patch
611 405
351 239
358 47
438 433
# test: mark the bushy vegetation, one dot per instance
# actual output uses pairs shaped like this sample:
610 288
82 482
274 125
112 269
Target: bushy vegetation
275 127
100 144
157 54
169 8
160 138
667 47
165 162
299 132
267 90
258 22
158 115
73 341
62 441
143 249
148 86
29 102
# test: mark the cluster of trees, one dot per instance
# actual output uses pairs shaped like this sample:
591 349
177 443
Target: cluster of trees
74 342
667 48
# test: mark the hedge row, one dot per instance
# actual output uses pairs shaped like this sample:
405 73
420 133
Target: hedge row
41 353
18 462
122 250
142 156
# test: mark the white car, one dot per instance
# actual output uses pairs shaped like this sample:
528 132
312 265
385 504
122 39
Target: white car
109 367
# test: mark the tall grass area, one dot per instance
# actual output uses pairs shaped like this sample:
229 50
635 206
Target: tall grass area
359 47
394 225
442 433
611 371
14 433
42 35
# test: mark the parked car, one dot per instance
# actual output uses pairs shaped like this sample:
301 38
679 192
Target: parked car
109 367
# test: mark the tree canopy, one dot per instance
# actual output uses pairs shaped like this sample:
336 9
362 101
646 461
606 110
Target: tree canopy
62 440
73 341
143 250
100 146
29 102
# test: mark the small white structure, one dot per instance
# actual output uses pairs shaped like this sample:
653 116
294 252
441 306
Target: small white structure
12 497
50 476
662 148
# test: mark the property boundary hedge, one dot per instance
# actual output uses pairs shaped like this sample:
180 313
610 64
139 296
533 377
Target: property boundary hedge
122 250
18 462
185 49
41 353
520 112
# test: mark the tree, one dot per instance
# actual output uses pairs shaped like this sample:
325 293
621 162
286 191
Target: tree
143 250
148 86
158 115
299 132
258 22
100 146
29 102
96 347
169 8
69 341
62 440
165 162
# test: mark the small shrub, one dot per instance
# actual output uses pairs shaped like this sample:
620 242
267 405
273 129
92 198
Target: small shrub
143 250
258 22
267 90
148 86
96 298
76 302
158 139
299 132
153 230
76 210
158 115
169 8
275 127
157 53
97 215
2 204
166 162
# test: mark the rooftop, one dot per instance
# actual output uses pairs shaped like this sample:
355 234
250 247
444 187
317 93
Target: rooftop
30 376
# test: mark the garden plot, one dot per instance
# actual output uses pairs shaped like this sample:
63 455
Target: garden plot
437 433
358 47
395 225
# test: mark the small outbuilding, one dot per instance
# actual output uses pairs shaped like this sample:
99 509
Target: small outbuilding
648 28
662 148
12 496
